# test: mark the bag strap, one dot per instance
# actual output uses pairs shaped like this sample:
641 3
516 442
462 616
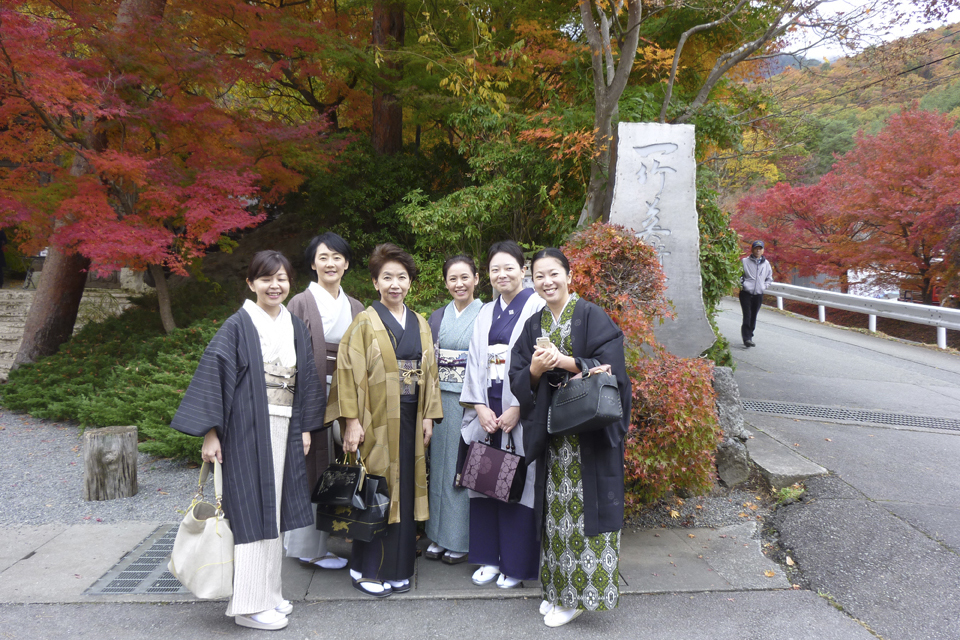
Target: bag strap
217 481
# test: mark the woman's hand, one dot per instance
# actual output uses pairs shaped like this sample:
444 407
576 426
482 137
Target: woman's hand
306 442
353 436
509 419
427 431
211 450
543 360
488 419
604 368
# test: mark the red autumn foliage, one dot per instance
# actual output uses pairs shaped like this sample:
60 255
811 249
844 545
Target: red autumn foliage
886 208
674 431
133 144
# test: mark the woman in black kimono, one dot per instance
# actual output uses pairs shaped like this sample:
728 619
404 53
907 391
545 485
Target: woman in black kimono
579 477
258 426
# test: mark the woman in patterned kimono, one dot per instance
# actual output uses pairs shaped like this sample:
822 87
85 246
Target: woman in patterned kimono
257 425
327 311
503 537
580 483
452 326
387 393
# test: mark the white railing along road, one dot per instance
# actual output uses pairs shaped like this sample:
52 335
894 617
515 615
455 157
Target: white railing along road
939 317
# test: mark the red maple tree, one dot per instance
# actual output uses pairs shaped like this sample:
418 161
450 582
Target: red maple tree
898 184
129 139
803 229
881 209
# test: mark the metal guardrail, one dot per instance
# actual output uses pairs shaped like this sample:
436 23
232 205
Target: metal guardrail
939 317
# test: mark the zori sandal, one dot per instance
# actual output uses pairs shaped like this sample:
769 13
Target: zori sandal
360 585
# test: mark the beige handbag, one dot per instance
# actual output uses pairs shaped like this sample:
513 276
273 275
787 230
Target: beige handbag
202 558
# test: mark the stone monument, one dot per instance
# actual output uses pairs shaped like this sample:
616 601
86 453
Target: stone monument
655 195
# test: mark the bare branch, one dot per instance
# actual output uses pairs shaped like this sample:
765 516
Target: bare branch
680 44
732 58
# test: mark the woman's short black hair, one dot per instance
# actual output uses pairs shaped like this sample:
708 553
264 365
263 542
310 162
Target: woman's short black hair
389 252
267 263
464 258
333 241
551 252
508 247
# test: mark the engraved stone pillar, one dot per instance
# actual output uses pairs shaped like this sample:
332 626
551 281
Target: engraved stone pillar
655 194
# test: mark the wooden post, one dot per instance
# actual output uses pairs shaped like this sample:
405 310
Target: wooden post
109 463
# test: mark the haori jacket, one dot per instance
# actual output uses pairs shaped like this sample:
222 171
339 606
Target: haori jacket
228 394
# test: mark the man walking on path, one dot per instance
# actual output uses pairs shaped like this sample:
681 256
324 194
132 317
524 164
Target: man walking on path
757 276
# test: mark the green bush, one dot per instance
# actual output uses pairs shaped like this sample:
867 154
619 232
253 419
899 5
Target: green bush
126 371
719 266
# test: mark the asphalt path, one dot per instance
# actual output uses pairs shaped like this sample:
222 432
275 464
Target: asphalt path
880 537
750 615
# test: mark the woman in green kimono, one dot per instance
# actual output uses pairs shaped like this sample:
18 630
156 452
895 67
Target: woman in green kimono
452 326
580 481
387 393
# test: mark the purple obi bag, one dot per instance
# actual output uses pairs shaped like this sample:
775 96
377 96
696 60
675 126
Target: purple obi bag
496 473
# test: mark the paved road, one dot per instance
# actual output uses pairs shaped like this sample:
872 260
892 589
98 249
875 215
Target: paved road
880 537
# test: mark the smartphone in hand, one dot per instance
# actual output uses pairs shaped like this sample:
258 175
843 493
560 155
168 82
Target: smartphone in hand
544 343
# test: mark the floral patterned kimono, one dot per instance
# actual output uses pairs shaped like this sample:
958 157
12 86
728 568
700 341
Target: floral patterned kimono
576 570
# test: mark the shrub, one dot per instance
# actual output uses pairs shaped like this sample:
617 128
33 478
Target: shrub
126 371
673 425
719 266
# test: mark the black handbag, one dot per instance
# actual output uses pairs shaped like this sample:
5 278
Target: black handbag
366 524
588 402
341 484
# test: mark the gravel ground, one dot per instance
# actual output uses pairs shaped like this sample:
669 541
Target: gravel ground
720 508
41 479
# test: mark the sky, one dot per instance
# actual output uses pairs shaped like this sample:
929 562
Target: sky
883 32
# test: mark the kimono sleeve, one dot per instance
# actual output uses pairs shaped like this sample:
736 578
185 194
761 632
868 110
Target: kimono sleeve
344 400
432 406
604 343
206 403
533 402
475 378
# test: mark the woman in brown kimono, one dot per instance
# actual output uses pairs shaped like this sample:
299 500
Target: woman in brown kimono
327 311
387 392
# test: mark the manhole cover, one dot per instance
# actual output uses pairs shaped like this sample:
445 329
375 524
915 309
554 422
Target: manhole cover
143 570
850 415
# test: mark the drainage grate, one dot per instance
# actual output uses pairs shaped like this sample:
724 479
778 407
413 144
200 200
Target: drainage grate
850 415
143 570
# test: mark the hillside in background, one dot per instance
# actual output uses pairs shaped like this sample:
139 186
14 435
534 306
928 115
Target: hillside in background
822 107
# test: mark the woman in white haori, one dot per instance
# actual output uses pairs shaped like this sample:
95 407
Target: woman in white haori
503 537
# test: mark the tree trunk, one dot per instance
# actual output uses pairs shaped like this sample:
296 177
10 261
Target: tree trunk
109 463
54 310
388 33
609 80
53 313
163 297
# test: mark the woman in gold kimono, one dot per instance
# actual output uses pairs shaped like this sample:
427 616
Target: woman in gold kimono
387 392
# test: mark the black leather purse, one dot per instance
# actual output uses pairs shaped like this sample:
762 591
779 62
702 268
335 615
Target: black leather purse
366 524
586 402
341 484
